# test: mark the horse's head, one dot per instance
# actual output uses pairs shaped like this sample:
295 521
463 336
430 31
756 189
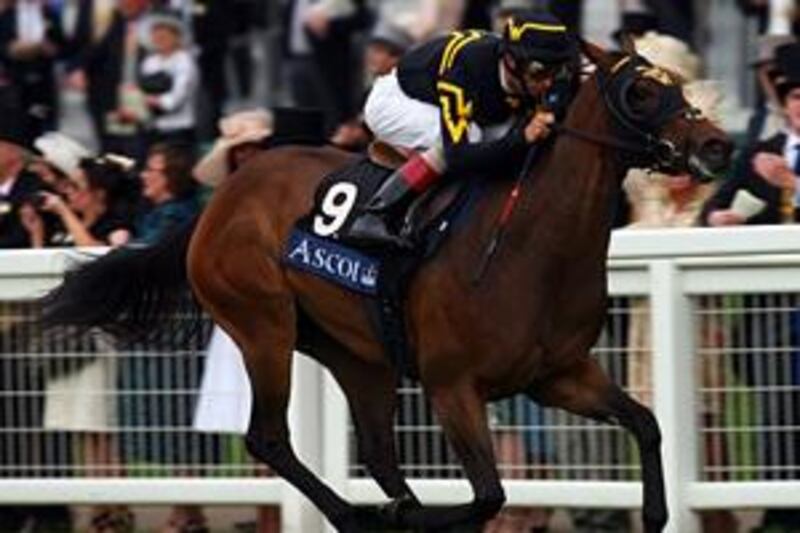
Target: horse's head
652 118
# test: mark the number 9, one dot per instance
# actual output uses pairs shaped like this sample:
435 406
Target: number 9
336 207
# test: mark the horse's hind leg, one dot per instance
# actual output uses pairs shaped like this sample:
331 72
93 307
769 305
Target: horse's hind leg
261 320
585 389
371 393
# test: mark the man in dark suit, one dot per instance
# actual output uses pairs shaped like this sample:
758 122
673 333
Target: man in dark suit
30 41
770 170
16 185
320 56
108 61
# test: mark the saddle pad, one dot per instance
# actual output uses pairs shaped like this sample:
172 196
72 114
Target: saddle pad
332 261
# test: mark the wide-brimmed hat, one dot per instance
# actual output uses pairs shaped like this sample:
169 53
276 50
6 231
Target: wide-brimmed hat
670 54
768 45
787 61
62 152
284 126
392 36
244 127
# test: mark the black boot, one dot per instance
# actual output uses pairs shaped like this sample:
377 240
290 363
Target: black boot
374 226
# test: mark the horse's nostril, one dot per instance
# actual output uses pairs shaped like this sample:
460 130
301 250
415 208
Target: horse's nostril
716 154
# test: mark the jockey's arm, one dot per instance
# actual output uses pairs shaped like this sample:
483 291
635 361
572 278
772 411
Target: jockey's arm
462 155
485 156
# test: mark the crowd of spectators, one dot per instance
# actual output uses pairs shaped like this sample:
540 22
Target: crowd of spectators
156 85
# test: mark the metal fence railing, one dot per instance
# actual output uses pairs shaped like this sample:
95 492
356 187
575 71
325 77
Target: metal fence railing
704 326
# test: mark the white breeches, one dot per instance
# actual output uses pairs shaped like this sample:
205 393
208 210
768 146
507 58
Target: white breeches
400 120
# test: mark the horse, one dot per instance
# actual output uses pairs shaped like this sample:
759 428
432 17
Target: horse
527 327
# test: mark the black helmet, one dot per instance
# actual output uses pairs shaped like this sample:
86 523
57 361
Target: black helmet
536 36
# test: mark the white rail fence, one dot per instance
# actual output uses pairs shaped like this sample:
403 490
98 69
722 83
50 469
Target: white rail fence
704 325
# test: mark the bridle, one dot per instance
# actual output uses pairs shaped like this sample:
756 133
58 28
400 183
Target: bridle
632 136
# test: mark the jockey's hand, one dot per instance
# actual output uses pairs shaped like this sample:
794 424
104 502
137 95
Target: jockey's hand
539 126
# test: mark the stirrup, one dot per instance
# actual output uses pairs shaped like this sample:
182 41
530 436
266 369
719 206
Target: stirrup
370 229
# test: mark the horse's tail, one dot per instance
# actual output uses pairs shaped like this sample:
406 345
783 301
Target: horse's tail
134 293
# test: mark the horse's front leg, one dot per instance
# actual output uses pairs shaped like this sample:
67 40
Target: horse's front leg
586 390
461 412
370 389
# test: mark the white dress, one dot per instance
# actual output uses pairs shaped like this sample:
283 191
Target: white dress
85 400
225 398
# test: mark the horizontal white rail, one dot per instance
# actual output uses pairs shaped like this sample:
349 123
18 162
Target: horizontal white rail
668 268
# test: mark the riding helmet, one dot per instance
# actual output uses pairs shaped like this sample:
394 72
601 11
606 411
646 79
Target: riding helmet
538 36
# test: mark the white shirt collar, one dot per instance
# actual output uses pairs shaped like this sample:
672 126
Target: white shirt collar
792 138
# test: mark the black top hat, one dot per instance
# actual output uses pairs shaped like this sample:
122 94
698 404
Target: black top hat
636 23
787 61
297 126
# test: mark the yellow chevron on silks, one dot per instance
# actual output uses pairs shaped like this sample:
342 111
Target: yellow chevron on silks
473 35
456 111
458 41
516 32
454 40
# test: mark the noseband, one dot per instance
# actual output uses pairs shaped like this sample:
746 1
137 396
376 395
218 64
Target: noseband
633 135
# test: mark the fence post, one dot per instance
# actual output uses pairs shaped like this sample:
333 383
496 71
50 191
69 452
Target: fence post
674 385
305 420
335 426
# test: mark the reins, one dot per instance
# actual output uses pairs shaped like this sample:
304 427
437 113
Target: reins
663 151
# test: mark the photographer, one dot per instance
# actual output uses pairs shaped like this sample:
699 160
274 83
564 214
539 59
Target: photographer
96 211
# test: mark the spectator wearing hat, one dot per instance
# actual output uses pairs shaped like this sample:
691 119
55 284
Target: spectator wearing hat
242 135
59 159
93 212
246 133
30 41
387 44
769 170
169 79
764 190
97 208
768 117
57 164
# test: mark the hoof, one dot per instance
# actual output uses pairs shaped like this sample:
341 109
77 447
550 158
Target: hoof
394 511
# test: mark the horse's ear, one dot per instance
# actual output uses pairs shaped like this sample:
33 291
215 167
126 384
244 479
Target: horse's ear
597 55
628 44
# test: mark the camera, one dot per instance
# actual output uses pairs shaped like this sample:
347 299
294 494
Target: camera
36 199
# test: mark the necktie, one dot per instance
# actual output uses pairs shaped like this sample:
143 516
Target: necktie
796 167
796 170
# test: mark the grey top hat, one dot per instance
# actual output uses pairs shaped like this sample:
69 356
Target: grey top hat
391 35
767 45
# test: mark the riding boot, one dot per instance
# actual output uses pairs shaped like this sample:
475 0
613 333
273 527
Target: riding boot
377 223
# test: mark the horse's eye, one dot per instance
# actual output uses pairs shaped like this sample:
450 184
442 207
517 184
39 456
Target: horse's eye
638 95
641 98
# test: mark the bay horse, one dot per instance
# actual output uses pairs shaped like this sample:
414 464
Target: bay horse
528 327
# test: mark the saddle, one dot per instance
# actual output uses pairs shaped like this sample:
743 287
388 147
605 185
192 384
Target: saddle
381 274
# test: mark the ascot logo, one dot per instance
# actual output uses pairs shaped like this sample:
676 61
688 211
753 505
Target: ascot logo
333 262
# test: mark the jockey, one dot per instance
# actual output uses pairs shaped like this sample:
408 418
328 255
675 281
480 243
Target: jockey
456 103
